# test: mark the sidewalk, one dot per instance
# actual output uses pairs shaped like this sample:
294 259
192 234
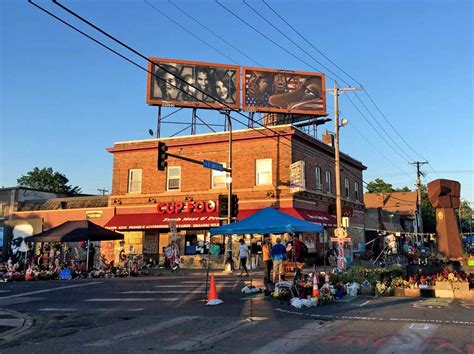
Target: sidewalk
192 272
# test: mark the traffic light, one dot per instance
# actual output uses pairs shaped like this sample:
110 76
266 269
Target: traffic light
234 206
162 156
223 205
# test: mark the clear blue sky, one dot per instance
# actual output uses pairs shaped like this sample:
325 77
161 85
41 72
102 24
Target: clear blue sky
64 99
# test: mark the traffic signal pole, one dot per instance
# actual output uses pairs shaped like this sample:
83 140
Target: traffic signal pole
228 244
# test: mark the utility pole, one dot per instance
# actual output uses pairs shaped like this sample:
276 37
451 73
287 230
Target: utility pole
103 190
419 220
336 91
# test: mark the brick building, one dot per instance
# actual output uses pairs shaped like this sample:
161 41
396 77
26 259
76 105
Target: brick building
145 200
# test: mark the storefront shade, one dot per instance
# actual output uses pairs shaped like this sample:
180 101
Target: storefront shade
75 231
267 221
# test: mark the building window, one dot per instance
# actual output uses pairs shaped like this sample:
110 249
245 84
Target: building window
263 171
173 181
356 191
328 181
135 181
319 185
218 178
346 187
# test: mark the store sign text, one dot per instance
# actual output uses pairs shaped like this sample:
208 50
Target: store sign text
199 206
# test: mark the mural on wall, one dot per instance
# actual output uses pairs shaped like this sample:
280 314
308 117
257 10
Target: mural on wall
15 232
174 83
273 91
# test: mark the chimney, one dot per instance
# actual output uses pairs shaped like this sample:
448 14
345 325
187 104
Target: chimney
328 138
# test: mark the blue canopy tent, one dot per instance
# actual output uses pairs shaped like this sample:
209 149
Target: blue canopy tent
267 221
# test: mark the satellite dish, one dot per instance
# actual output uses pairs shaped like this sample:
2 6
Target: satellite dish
150 131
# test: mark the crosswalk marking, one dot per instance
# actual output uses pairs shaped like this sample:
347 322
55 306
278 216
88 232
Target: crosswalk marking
140 332
46 290
51 309
207 340
294 340
164 292
187 286
122 299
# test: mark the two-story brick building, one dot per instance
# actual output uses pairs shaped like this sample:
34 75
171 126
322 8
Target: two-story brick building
145 200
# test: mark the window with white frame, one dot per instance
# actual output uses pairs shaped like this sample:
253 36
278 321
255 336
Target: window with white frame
328 181
319 185
173 180
263 171
346 187
218 178
356 191
135 181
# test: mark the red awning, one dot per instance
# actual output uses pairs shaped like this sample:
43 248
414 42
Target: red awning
316 216
124 222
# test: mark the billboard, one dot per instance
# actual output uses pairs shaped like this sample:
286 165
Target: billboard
215 80
281 91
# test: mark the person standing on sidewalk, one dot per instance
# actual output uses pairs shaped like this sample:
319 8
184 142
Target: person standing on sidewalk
243 255
278 256
267 258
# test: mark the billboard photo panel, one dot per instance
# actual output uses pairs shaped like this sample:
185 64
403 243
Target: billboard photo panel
282 91
173 81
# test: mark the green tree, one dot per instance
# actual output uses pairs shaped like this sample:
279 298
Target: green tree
465 215
378 185
47 180
428 212
404 189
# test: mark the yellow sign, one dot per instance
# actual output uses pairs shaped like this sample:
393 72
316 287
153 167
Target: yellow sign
440 215
340 232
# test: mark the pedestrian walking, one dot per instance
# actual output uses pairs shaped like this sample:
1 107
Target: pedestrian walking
267 258
278 256
243 255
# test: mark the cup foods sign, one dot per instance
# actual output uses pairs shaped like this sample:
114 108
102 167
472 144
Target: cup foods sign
200 206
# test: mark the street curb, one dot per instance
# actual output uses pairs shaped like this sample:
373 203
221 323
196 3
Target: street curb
16 332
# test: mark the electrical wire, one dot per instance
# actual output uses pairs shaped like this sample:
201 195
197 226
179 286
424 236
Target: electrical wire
214 33
312 46
188 31
292 41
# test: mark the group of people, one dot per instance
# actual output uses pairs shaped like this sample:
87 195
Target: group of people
274 90
200 84
274 255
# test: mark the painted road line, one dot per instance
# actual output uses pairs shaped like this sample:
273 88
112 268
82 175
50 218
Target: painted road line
295 340
122 299
20 300
187 286
410 339
164 292
11 322
378 319
5 291
365 303
167 323
204 282
58 309
46 291
206 341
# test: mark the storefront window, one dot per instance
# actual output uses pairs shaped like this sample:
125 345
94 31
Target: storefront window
174 178
218 178
135 181
264 171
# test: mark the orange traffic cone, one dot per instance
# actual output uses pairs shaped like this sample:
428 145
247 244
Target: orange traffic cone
315 286
212 298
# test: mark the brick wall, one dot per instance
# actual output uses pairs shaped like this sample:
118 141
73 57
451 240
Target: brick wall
248 146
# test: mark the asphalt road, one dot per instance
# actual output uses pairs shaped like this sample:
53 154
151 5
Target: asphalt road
168 314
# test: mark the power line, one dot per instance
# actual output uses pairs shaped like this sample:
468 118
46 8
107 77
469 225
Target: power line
188 31
214 33
292 41
148 71
312 46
